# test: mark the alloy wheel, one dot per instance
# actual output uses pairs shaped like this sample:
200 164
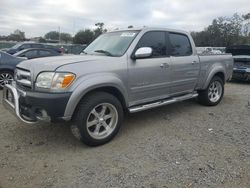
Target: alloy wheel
215 91
102 121
5 78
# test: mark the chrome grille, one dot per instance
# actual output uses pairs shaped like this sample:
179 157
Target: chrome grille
23 78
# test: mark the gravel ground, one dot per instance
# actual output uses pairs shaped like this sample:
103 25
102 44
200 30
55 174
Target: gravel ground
180 145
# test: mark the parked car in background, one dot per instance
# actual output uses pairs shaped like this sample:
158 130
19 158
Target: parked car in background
7 66
26 45
32 53
241 56
22 46
128 70
8 62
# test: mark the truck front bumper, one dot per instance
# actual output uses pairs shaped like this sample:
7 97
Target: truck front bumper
32 107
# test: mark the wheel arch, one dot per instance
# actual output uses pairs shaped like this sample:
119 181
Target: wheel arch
2 69
219 72
112 85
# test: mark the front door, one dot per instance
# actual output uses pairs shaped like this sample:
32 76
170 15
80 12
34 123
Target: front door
149 78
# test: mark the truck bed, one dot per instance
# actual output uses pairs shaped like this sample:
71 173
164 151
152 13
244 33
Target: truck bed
224 62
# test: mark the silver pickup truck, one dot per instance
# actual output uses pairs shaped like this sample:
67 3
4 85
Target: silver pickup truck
128 70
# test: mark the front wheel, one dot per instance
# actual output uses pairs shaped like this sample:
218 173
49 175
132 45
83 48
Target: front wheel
213 94
99 118
6 77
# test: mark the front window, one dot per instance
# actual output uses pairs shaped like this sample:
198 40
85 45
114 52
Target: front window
112 44
155 40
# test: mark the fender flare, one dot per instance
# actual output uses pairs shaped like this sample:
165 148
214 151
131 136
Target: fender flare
86 85
212 73
4 67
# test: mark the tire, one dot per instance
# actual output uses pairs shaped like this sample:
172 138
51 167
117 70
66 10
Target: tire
213 93
5 77
98 118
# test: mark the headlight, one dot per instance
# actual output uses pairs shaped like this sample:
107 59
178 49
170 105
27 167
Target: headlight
54 81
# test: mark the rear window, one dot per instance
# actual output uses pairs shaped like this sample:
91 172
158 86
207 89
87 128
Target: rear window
180 45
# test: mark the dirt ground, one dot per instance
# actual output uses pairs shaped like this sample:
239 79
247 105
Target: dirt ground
181 145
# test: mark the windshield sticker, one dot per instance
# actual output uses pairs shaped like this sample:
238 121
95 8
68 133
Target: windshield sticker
128 34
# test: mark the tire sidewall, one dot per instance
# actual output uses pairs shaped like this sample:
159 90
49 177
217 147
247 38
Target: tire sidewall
216 78
83 114
8 72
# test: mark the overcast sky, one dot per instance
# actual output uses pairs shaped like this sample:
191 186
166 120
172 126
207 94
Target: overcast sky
36 17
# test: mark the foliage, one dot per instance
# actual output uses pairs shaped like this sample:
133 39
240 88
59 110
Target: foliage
84 37
41 40
224 31
52 35
100 29
87 36
17 35
55 35
66 37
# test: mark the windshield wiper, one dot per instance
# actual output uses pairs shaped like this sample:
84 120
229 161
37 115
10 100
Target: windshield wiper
104 52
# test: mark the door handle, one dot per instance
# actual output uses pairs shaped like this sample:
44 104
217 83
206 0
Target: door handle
194 62
164 65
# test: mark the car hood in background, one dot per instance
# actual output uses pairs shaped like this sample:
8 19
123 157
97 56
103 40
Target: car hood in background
6 58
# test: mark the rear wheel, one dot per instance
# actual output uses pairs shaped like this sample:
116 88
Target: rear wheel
213 94
99 118
6 77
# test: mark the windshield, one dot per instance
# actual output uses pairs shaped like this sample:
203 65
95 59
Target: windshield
112 44
16 46
18 53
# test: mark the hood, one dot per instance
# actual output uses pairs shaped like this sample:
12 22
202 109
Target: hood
53 63
6 58
11 51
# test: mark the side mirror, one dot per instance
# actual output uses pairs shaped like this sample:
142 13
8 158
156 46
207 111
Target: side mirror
143 52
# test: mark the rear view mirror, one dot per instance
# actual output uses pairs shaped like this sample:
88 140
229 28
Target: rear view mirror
143 52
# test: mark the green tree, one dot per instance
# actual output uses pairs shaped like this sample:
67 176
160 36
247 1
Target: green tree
66 37
84 37
223 31
52 35
246 27
41 40
100 29
17 35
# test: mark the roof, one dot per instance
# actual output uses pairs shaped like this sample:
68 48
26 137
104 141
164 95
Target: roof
152 29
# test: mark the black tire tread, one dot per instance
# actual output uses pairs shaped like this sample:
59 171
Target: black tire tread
85 105
203 95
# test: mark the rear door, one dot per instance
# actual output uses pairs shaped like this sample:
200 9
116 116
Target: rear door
149 78
185 64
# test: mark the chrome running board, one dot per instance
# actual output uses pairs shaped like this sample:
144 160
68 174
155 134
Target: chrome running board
162 103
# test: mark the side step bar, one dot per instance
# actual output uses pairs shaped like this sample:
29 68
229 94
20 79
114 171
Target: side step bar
161 103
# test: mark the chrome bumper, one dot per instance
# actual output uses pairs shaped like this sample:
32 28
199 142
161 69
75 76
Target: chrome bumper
11 102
